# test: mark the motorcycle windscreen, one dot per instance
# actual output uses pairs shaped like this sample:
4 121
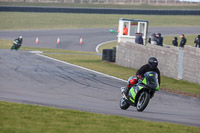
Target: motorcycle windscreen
151 80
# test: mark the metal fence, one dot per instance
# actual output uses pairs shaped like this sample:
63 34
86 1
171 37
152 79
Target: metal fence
97 11
138 2
120 2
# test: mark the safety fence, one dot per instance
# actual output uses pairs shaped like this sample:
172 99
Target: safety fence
98 11
121 2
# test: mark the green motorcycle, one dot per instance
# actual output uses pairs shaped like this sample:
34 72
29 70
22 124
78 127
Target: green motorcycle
16 45
140 94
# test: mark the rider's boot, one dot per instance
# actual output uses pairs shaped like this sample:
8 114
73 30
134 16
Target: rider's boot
127 91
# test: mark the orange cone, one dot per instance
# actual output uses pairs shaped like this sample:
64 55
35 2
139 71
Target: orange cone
58 40
81 40
36 40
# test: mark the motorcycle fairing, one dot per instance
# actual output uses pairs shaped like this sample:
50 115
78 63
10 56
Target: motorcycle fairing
134 91
151 79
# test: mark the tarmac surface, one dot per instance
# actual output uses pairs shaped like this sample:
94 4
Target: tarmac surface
35 79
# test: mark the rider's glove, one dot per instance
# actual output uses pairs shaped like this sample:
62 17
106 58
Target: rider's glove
139 76
14 42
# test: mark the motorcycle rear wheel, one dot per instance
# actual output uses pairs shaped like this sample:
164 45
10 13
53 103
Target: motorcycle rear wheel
124 104
143 101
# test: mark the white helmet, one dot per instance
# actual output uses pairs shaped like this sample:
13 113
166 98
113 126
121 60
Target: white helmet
20 37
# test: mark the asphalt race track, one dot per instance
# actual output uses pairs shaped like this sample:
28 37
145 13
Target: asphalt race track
29 78
70 38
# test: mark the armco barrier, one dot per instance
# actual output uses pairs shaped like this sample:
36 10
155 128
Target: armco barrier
98 10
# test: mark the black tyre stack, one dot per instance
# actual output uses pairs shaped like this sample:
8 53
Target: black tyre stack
109 55
114 54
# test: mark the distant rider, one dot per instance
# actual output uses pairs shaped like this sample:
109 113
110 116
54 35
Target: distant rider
18 42
150 66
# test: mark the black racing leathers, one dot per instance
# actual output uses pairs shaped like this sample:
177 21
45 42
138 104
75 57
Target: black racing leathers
147 68
18 41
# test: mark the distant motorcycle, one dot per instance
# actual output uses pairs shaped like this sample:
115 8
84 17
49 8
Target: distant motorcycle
140 94
16 45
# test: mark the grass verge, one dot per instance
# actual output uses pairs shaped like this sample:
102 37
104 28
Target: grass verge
92 61
18 20
190 39
22 118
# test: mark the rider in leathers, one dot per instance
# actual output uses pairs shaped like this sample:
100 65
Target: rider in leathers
151 66
18 42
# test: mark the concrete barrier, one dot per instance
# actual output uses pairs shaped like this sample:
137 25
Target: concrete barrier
191 64
170 63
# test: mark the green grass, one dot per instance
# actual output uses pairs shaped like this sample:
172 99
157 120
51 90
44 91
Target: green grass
22 118
17 20
109 45
142 6
190 39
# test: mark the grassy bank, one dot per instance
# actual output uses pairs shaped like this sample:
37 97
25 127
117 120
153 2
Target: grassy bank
190 39
16 20
21 118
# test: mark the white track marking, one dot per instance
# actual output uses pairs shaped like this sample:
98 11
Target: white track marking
36 52
81 67
97 47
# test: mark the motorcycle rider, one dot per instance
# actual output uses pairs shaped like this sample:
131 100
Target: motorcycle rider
18 42
150 66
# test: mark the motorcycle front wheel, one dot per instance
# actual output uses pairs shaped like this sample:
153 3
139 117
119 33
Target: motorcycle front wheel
124 104
143 101
13 47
